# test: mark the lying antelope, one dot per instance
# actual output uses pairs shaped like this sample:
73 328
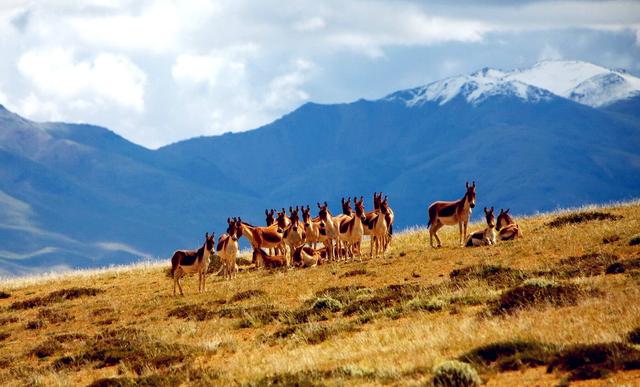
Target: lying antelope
192 261
487 236
451 213
270 237
306 256
228 248
351 230
507 228
261 258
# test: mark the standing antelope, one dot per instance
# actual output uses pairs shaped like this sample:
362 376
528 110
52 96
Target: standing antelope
228 248
294 234
507 228
312 228
192 261
379 230
331 229
351 230
263 237
451 213
487 236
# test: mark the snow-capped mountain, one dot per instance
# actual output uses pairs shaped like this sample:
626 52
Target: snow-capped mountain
581 82
80 196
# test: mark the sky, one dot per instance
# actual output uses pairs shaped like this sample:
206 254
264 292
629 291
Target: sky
160 71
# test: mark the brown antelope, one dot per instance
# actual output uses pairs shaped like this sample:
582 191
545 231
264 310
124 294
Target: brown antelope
192 261
351 230
347 211
390 218
306 256
269 217
451 213
312 228
331 230
487 236
261 258
294 234
270 237
507 228
228 248
380 230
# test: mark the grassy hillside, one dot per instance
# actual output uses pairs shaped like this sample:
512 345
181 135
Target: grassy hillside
520 312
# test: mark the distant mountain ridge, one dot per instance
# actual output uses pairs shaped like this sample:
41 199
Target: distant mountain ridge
76 195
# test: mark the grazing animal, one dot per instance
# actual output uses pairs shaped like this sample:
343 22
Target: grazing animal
507 228
263 237
192 261
305 256
261 258
228 248
487 236
351 230
450 213
331 229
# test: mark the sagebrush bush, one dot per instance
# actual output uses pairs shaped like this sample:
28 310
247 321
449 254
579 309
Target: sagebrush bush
454 373
327 303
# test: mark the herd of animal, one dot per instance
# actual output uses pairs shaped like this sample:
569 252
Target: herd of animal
288 240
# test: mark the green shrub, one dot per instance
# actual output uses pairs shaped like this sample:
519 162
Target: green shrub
453 373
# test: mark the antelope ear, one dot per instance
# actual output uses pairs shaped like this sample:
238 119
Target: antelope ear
229 220
466 184
206 235
491 208
485 210
266 212
474 184
319 205
325 203
507 210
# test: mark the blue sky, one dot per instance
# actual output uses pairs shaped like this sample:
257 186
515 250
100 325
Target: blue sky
159 71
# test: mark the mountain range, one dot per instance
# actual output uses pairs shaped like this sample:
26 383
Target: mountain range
557 134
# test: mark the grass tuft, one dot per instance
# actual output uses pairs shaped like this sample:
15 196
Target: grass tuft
247 295
4 295
595 361
453 373
581 217
353 273
634 336
495 275
131 347
635 240
536 292
55 297
511 355
192 312
326 303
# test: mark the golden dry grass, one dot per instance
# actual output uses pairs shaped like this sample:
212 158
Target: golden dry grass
231 340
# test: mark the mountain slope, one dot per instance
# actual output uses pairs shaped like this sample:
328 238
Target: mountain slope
79 195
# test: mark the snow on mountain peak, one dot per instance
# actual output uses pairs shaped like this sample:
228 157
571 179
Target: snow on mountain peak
582 82
475 88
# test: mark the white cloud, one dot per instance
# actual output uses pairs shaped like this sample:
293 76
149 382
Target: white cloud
157 28
107 78
550 53
185 67
310 24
